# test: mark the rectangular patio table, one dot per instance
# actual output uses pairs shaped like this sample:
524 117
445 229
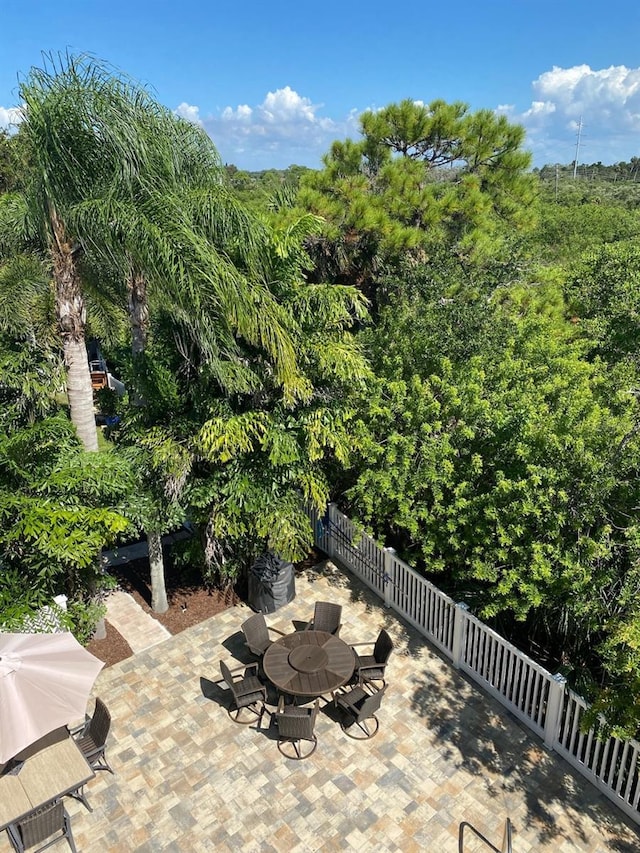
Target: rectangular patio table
309 663
53 766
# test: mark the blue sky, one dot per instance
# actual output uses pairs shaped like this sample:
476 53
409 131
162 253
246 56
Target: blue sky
275 83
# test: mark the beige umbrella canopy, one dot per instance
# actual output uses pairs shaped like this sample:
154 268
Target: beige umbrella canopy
45 681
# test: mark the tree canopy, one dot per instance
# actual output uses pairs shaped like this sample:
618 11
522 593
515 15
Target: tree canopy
422 177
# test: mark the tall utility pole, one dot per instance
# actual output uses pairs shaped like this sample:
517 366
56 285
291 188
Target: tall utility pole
575 162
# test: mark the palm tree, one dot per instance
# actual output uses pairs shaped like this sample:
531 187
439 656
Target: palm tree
116 178
187 249
78 139
255 454
183 241
119 184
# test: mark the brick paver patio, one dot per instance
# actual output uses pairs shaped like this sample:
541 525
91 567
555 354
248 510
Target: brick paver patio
188 779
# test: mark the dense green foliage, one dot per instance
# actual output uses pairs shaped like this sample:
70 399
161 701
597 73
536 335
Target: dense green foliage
238 450
603 292
506 470
498 448
58 504
264 190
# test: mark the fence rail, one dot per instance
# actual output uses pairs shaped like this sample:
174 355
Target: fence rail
536 697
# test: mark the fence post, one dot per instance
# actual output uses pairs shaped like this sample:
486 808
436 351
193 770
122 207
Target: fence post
554 709
459 621
329 530
389 574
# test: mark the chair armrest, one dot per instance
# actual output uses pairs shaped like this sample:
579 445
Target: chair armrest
343 699
353 698
294 712
364 680
81 728
276 631
309 627
245 669
366 683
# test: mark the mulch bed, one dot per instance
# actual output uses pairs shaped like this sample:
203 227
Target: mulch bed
112 649
189 603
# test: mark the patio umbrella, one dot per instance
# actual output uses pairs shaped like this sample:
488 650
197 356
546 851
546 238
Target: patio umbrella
45 680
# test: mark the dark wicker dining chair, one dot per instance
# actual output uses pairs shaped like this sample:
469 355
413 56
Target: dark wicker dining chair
39 826
326 617
359 707
92 739
247 692
256 634
295 725
372 667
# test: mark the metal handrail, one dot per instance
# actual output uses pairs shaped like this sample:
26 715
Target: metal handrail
506 838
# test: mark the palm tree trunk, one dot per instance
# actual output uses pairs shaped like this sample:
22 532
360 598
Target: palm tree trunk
80 392
139 321
72 320
71 314
159 603
138 311
138 303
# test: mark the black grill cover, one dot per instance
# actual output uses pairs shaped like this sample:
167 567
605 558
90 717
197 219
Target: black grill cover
272 583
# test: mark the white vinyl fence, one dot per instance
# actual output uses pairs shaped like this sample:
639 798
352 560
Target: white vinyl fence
540 700
47 620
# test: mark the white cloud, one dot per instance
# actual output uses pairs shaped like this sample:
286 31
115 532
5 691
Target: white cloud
242 113
285 128
189 112
352 122
10 116
285 105
607 101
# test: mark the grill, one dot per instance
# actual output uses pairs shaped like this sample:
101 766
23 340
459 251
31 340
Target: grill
272 583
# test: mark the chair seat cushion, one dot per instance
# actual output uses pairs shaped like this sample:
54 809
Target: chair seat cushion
353 697
250 684
87 745
370 665
250 698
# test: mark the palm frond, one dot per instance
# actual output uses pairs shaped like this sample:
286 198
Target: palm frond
14 227
27 309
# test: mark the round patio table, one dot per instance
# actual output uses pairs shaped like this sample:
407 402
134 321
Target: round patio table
309 663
